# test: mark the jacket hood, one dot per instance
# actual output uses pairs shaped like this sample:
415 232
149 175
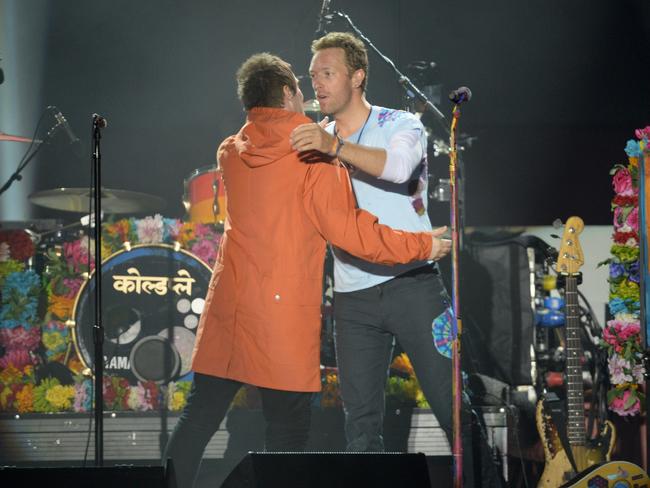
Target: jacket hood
264 138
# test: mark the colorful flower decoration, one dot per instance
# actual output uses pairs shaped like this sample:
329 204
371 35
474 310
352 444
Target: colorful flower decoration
622 334
26 328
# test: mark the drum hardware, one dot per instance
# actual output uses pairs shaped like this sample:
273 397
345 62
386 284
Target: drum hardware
204 196
113 201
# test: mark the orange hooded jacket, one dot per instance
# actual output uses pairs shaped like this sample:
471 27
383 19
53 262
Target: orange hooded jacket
261 321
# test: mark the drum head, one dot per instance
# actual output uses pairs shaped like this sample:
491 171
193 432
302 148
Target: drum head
152 298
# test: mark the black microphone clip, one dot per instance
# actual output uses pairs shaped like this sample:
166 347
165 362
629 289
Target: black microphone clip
99 121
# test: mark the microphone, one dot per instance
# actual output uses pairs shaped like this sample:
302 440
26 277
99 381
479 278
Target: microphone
323 19
62 122
460 95
99 121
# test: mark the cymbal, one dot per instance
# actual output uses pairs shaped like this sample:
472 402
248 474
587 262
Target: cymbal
113 201
9 137
311 106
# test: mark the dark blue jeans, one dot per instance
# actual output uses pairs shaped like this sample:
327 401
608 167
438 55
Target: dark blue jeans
367 322
288 415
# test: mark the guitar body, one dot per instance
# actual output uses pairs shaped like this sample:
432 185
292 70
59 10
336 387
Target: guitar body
558 469
615 474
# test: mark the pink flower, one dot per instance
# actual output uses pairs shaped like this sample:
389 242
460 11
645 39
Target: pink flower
76 254
642 133
633 219
617 366
628 330
623 182
618 405
19 358
206 250
20 338
73 285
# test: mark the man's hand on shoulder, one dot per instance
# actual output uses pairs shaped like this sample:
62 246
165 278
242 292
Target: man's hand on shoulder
440 246
313 137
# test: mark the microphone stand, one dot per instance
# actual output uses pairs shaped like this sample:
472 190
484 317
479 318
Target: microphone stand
456 235
98 328
16 175
457 324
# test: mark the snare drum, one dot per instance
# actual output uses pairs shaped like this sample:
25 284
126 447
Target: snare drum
204 196
152 298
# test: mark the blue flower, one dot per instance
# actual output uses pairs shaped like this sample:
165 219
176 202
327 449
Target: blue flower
632 149
616 271
19 299
617 305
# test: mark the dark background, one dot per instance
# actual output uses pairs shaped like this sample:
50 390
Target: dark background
558 87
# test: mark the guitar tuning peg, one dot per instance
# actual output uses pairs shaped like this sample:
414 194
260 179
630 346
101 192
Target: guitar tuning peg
557 224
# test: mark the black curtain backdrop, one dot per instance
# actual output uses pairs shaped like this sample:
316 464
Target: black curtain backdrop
558 88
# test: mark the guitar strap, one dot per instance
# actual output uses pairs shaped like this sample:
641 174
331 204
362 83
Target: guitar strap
554 406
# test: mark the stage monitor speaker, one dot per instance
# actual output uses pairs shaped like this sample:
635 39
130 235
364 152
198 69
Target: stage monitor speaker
497 280
78 477
329 470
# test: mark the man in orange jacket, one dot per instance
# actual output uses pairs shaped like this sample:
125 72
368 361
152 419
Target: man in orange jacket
261 321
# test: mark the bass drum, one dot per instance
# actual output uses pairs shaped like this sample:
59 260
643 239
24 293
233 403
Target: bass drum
152 298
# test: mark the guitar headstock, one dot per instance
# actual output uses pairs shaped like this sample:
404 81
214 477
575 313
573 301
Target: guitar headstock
570 258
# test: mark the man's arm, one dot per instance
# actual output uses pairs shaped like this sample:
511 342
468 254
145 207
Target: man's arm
330 205
395 164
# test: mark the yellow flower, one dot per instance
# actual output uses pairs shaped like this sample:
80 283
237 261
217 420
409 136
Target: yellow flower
75 365
60 397
403 363
52 340
25 399
633 160
10 375
5 394
178 401
60 306
106 250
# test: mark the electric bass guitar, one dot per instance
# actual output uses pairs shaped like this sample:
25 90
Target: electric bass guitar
567 450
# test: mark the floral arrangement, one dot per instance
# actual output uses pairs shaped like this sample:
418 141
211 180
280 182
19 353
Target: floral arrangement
622 334
34 310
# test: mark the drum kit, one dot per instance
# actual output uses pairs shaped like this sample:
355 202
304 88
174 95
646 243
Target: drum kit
152 295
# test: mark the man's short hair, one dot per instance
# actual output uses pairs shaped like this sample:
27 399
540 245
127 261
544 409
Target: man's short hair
356 55
261 79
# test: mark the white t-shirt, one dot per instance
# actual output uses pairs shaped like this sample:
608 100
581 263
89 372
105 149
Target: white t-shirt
402 206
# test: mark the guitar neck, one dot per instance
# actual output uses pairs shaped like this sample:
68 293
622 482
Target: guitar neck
575 389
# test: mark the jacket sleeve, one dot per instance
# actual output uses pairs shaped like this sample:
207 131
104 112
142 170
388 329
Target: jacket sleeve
331 206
